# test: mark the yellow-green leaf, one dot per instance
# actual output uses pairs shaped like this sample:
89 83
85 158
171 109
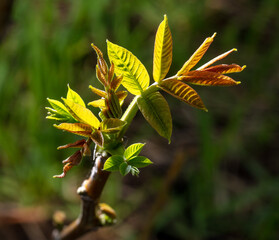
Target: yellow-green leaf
73 96
98 91
195 58
156 111
76 128
135 75
112 125
162 51
81 113
183 92
98 103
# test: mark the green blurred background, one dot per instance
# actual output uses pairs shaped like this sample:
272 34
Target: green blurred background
224 181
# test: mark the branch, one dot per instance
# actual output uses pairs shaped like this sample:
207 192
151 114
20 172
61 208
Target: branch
90 192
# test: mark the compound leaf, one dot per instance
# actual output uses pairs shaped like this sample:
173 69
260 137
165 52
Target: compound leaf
155 110
135 75
162 51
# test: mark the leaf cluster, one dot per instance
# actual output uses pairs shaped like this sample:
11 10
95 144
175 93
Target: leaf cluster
127 70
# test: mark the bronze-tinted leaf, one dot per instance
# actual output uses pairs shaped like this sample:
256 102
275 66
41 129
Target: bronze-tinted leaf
77 144
195 58
76 128
224 68
101 61
101 77
97 137
206 78
116 82
121 95
71 161
182 92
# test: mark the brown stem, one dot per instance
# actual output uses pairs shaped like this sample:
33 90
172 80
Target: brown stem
90 192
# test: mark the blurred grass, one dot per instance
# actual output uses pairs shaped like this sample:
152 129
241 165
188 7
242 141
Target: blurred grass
229 189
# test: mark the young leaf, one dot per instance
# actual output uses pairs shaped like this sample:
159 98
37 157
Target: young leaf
59 112
73 96
100 103
97 91
81 113
162 51
183 92
124 168
133 150
207 78
97 137
135 75
225 68
155 110
139 162
112 125
113 163
196 57
135 171
77 144
76 128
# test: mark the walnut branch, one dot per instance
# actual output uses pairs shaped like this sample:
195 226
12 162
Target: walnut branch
90 192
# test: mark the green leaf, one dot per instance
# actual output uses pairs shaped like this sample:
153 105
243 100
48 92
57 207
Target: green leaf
113 163
135 75
81 113
73 96
155 110
133 150
162 51
124 168
139 162
112 125
59 111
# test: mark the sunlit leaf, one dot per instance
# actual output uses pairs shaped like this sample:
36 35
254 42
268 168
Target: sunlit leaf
112 125
217 59
155 110
206 78
113 163
76 128
162 51
183 92
139 161
225 68
133 150
73 96
135 75
124 168
81 113
100 103
98 91
195 58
